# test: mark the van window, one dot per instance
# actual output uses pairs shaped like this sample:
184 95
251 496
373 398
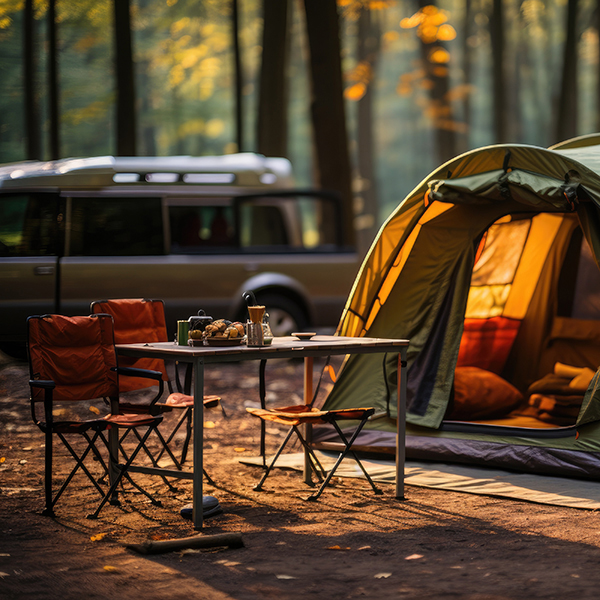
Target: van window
290 222
116 227
28 225
201 228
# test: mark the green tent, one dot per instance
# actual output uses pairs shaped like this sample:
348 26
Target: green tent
490 268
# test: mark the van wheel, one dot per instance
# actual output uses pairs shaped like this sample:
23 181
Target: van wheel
285 315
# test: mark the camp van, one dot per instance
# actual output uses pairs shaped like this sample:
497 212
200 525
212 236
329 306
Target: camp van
195 232
490 268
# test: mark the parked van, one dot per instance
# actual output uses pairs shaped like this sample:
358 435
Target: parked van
193 231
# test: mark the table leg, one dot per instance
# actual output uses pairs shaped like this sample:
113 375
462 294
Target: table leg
308 396
198 442
401 426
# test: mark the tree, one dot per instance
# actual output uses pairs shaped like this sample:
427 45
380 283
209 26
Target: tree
125 86
237 69
271 123
328 113
368 51
498 71
32 119
566 118
53 102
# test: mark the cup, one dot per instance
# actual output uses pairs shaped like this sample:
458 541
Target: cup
183 329
256 313
254 334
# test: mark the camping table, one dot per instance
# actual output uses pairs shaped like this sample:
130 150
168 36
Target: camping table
285 347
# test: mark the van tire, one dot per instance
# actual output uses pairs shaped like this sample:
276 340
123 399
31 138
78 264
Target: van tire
285 315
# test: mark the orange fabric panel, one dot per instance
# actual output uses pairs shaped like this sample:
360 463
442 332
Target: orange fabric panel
137 321
77 353
486 343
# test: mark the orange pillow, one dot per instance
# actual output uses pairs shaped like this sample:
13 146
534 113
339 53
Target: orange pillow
480 394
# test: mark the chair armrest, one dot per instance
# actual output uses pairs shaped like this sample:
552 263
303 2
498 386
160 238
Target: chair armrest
45 384
133 372
145 373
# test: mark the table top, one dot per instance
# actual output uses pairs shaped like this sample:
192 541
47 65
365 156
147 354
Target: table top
281 347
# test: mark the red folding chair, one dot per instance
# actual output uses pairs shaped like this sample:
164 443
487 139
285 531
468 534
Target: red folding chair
143 321
73 360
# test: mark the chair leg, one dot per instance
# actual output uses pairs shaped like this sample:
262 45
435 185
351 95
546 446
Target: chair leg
122 471
188 435
48 510
347 450
258 486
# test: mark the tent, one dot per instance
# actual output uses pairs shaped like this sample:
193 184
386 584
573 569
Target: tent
490 268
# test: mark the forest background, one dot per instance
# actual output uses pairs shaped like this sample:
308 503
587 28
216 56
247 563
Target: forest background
363 96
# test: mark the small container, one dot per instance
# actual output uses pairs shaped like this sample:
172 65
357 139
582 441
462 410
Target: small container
183 330
267 333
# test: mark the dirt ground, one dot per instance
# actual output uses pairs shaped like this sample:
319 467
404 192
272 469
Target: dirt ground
435 544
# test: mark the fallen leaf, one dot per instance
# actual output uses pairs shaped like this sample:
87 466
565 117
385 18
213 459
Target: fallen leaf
285 577
158 536
209 425
28 449
365 548
240 449
4 554
338 548
190 551
2 459
110 569
2 575
23 462
414 557
382 575
95 410
97 537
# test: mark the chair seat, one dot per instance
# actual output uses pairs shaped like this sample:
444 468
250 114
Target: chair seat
300 413
178 400
67 427
132 420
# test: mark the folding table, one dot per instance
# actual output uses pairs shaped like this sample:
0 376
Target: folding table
284 347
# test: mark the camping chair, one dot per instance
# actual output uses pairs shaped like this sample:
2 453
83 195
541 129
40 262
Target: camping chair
141 320
302 414
73 360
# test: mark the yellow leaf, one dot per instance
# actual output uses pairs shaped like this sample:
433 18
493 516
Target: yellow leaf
98 537
2 459
446 33
355 92
338 548
209 424
95 410
240 449
110 569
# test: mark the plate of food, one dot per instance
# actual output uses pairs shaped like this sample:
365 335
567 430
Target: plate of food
304 335
224 333
222 341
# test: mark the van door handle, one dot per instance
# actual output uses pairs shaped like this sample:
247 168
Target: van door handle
44 270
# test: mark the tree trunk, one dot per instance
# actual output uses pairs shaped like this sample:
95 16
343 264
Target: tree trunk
34 147
126 118
566 122
237 70
271 135
498 71
53 107
467 74
328 113
367 215
440 107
